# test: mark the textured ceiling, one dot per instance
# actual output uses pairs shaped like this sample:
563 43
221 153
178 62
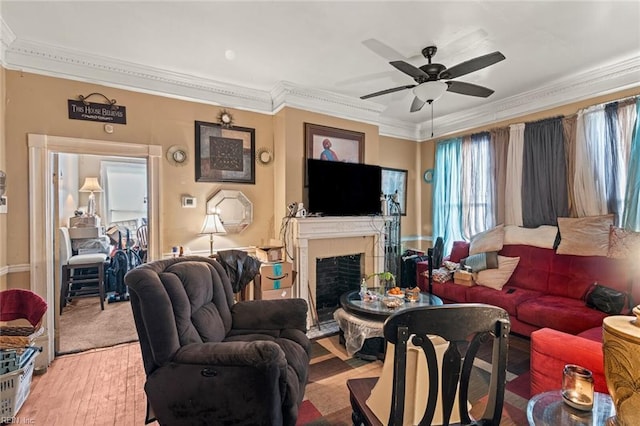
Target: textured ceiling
555 51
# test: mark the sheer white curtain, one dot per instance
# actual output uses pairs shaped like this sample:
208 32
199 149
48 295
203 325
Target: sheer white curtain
513 189
589 180
478 185
626 123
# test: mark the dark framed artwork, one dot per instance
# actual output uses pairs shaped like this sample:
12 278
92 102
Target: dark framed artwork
395 181
225 154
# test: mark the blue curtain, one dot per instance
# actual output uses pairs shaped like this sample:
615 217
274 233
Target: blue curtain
447 192
631 217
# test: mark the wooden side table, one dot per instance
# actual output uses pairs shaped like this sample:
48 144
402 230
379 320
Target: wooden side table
548 409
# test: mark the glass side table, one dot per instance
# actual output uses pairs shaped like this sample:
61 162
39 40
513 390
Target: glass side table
548 409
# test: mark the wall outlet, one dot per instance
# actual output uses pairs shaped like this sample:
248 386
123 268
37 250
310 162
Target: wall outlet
188 202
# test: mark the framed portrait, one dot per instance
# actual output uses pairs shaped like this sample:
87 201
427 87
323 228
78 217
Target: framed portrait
225 154
395 181
332 144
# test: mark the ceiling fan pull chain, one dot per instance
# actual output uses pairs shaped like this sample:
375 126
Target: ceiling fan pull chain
431 118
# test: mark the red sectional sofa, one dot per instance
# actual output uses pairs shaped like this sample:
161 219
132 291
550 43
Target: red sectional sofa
546 290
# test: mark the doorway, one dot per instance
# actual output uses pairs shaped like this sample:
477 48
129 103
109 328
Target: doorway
119 202
42 149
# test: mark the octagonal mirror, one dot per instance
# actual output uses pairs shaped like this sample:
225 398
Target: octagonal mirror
234 208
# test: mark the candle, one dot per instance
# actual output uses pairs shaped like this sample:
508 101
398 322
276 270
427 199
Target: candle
577 387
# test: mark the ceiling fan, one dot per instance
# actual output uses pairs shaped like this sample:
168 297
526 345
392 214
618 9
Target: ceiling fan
429 78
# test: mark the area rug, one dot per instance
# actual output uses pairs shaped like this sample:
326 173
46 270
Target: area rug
326 400
84 326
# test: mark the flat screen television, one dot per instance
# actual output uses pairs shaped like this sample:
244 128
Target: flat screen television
343 189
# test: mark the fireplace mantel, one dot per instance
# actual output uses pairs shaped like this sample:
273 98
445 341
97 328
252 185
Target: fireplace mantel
302 230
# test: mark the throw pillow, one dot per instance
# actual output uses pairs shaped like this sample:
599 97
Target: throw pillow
459 251
497 278
584 236
543 236
481 261
490 240
623 243
442 275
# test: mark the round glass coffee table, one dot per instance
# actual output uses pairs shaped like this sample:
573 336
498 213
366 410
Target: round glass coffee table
377 310
362 322
549 409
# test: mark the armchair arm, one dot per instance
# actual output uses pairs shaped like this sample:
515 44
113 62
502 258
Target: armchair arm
270 314
238 353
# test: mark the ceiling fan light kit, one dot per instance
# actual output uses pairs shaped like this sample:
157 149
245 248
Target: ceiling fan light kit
430 91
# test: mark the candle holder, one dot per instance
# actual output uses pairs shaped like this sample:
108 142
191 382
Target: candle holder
577 387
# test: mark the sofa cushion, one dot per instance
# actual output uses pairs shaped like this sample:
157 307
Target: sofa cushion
544 236
459 251
571 276
623 243
489 240
594 334
584 236
509 301
450 291
481 261
532 272
497 278
560 313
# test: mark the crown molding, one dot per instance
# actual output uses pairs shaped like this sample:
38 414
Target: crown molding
55 61
6 38
599 81
60 62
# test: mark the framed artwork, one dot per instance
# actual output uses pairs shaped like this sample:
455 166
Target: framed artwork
332 144
225 154
395 181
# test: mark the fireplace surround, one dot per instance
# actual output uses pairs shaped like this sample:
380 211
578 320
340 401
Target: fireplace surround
310 238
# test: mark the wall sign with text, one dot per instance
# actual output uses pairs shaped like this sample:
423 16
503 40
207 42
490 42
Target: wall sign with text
90 111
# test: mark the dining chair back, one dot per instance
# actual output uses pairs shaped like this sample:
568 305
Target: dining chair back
466 327
82 275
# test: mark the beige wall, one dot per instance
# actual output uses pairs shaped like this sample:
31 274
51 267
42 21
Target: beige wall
38 104
3 167
403 154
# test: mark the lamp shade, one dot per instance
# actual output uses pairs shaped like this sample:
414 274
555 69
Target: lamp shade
430 90
212 225
91 185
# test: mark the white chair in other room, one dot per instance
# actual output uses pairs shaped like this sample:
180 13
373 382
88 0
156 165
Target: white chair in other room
82 275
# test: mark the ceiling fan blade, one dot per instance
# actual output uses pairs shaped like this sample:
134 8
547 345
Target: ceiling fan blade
472 65
409 69
468 89
387 52
384 92
417 104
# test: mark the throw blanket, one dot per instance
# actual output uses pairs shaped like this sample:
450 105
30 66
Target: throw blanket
18 303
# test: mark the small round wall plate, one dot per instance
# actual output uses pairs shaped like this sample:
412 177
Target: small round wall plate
428 176
177 155
264 156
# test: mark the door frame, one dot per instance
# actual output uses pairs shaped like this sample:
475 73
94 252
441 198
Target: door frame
41 218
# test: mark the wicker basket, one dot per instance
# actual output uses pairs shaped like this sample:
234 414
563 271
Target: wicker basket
18 337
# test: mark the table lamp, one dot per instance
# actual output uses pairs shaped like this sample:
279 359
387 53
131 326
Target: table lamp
212 225
91 185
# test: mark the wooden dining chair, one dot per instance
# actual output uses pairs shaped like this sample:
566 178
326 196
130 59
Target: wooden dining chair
466 327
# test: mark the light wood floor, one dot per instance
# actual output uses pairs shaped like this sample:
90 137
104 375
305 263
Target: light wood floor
97 387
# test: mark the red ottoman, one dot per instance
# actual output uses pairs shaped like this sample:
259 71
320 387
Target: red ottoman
551 350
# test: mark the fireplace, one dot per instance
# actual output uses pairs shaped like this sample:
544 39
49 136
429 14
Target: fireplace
335 276
312 238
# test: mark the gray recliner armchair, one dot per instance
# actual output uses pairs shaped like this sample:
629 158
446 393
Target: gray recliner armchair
209 360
